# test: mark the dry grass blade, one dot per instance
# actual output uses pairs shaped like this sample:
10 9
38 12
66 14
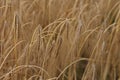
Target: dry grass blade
59 39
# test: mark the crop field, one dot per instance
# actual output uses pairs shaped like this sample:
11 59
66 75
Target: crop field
59 39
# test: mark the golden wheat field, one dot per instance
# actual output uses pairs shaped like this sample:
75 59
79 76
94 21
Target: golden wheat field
59 39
